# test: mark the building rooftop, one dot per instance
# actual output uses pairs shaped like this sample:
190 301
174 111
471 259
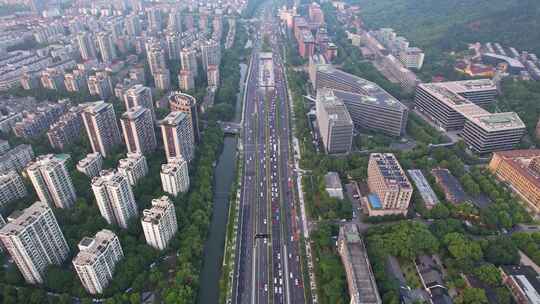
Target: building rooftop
92 248
89 159
332 180
520 160
20 219
427 193
155 213
498 121
514 63
334 107
527 279
390 169
173 119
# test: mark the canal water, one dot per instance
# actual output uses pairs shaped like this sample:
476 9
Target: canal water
223 178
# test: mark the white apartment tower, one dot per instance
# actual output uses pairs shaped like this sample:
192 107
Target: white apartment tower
97 259
106 47
114 197
159 223
11 187
33 239
86 46
175 176
139 95
178 136
101 128
90 165
188 59
134 167
51 179
138 129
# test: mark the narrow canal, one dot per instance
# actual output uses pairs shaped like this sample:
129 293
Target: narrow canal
223 179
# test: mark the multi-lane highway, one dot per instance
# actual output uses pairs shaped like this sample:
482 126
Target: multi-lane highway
268 261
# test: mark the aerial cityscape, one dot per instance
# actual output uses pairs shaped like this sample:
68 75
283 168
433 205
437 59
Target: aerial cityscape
269 151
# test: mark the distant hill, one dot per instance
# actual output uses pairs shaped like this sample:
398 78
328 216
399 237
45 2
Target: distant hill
448 24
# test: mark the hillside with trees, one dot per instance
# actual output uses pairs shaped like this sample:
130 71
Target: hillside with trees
451 24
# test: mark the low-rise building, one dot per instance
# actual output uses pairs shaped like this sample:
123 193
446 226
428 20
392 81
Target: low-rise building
520 169
428 195
333 185
523 283
360 278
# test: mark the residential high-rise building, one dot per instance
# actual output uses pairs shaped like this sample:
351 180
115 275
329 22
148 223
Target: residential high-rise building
91 165
162 79
360 278
30 81
521 170
16 158
75 81
139 95
106 47
159 223
100 84
173 46
138 129
133 25
186 80
188 58
155 19
114 197
86 46
390 187
156 59
33 239
175 176
174 23
97 259
66 130
50 177
211 53
335 123
178 136
181 102
11 188
101 128
52 79
212 76
134 167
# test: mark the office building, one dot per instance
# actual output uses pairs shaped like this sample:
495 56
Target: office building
50 177
159 223
138 129
520 169
188 59
180 102
360 279
100 85
87 47
91 165
390 188
114 197
186 80
16 158
11 188
334 123
34 241
456 106
106 47
96 261
178 135
175 176
369 106
101 128
67 130
211 53
134 167
162 79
